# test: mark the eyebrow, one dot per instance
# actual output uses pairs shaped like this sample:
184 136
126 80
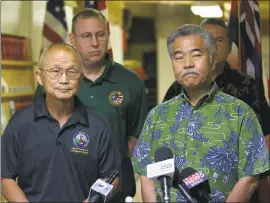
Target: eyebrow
192 50
220 38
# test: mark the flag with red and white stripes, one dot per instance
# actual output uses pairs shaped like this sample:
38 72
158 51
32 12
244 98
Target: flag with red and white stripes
250 40
55 25
101 6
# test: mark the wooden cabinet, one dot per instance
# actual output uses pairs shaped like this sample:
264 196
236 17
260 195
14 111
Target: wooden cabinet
17 76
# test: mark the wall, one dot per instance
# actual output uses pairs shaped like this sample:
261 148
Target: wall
27 20
135 51
265 61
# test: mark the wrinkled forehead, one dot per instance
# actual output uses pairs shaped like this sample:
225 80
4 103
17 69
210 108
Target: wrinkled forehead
62 58
189 43
90 24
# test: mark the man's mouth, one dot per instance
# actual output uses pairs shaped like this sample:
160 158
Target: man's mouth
94 53
191 73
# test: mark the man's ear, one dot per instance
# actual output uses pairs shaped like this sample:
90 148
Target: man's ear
213 67
72 39
39 77
230 46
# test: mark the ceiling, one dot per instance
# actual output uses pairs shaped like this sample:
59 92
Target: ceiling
225 5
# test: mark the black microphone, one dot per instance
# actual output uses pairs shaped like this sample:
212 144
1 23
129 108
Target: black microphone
179 184
127 180
162 154
100 189
197 183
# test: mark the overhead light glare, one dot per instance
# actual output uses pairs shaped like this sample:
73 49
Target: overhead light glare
213 11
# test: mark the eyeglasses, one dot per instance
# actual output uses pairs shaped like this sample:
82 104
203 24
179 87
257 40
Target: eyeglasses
57 73
100 36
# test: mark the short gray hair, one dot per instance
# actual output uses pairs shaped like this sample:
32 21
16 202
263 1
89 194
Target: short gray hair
188 30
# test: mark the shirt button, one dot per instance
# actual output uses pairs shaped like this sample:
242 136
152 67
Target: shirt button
59 141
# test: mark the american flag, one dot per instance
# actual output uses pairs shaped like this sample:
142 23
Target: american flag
101 6
55 25
250 40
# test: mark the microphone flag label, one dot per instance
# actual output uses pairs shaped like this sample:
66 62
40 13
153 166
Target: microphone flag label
194 179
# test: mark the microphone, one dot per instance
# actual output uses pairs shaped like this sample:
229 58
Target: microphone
127 180
162 170
100 189
197 183
178 184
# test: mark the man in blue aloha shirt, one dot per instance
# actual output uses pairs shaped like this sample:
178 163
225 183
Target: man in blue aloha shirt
205 128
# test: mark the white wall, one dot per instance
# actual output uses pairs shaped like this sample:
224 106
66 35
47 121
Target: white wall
26 18
116 38
266 63
15 17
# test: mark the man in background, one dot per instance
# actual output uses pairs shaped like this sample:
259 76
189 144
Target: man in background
206 129
57 147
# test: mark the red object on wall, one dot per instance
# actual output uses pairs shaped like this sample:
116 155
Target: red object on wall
125 44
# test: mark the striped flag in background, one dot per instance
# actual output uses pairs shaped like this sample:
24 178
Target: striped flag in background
250 40
101 6
233 26
55 25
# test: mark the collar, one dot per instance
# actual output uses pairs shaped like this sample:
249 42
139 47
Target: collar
79 114
222 78
206 98
107 75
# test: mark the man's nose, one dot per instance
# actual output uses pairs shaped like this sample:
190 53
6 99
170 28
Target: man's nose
63 78
94 41
188 62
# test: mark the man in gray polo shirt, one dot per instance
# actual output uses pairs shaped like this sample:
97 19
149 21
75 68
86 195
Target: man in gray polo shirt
57 147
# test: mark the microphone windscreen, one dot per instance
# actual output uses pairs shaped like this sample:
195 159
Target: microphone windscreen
127 179
186 172
163 153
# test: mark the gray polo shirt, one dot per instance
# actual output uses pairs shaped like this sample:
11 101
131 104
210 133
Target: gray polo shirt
56 164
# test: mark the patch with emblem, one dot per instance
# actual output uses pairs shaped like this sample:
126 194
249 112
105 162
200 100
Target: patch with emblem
80 140
116 98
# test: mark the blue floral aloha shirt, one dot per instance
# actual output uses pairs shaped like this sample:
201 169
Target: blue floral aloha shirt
220 137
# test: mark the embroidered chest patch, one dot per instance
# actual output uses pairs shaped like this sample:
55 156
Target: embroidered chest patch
116 98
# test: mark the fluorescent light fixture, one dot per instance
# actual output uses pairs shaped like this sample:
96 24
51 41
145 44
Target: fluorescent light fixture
227 6
211 11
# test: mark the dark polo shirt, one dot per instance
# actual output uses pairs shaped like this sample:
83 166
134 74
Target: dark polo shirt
56 164
118 96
